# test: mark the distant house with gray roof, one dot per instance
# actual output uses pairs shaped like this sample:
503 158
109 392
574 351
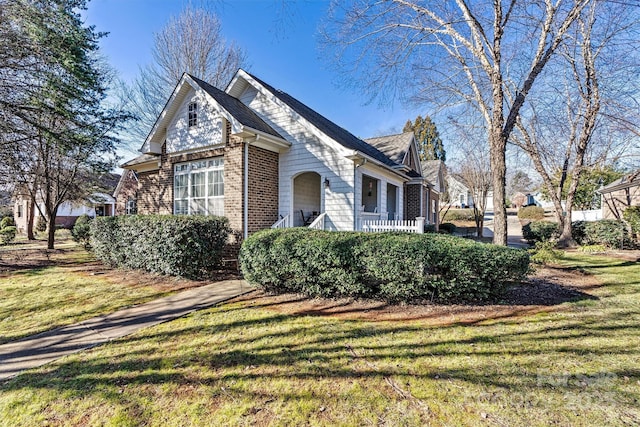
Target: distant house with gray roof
619 195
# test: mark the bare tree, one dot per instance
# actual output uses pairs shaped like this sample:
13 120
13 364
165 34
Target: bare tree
487 54
572 109
192 42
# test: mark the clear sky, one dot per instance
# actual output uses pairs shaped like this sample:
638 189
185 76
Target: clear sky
282 49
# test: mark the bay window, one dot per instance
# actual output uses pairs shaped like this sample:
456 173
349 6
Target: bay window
198 187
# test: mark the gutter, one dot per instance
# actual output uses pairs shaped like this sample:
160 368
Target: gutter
358 154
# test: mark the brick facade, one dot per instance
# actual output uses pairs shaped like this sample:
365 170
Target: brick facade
148 189
263 188
412 201
127 189
155 189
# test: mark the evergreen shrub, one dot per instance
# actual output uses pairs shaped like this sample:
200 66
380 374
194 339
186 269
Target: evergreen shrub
395 267
176 245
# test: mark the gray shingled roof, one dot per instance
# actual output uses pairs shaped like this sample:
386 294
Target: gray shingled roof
393 146
430 170
629 180
326 126
144 158
236 108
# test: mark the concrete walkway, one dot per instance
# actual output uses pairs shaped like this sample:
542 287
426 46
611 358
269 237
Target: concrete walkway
514 230
48 346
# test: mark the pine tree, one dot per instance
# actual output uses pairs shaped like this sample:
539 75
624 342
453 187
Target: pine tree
59 133
430 145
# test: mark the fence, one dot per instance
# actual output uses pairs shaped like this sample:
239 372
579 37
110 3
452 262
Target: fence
380 225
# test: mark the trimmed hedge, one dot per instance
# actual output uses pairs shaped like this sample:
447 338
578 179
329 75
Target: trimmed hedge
458 215
540 231
187 246
607 232
387 266
531 212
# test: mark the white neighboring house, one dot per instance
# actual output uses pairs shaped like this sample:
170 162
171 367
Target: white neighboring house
459 194
97 204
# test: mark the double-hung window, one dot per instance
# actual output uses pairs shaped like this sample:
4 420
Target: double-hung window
193 114
198 187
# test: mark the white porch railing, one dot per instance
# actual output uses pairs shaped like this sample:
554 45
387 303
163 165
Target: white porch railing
318 223
284 222
410 226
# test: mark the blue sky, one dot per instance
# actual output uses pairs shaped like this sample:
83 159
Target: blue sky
282 50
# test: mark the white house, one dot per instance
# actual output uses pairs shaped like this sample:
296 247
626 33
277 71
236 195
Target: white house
262 158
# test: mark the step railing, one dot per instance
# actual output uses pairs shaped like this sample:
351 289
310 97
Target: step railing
318 223
284 222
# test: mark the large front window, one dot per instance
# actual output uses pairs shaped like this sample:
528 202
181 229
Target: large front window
198 187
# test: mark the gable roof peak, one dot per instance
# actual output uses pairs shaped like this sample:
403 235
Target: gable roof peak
318 121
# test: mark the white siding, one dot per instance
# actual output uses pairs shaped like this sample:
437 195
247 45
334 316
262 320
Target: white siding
309 152
208 131
383 178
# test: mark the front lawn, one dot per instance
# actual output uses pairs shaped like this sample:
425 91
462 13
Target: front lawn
251 363
42 290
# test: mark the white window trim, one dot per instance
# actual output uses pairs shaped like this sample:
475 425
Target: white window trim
189 168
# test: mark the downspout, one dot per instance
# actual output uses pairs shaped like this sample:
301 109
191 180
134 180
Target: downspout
246 191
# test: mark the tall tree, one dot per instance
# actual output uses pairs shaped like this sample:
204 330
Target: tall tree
191 42
430 146
487 54
520 183
578 122
60 131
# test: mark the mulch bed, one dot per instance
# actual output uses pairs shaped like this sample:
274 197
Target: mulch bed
544 291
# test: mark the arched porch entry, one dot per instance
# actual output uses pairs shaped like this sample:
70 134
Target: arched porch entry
307 199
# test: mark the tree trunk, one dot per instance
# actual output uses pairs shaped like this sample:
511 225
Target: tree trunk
480 227
51 232
31 212
497 149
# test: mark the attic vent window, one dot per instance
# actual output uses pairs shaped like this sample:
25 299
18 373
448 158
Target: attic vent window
193 114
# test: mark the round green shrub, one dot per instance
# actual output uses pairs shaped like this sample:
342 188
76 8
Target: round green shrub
176 245
540 231
387 266
81 231
534 213
7 221
448 227
7 235
607 232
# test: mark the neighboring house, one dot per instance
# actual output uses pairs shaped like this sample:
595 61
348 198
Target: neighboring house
459 194
126 194
259 157
434 173
619 195
520 199
97 204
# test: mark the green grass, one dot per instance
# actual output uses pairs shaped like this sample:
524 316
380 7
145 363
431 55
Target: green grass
243 364
37 299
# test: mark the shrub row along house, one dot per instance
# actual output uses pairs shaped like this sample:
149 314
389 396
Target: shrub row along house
263 159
